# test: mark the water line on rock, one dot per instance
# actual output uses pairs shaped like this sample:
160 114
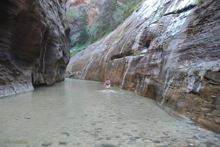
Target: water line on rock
129 60
166 86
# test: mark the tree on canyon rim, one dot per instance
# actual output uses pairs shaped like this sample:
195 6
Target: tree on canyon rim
83 22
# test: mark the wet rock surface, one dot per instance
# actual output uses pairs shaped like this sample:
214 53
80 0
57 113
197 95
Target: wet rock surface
87 115
33 44
168 51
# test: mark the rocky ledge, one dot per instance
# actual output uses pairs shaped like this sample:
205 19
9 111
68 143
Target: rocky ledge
34 44
166 50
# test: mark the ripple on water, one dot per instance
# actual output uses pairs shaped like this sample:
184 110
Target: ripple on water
107 91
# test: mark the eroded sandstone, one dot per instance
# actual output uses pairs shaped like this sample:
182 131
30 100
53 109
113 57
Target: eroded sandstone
33 44
168 51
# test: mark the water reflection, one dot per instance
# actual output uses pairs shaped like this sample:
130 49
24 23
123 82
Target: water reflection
83 113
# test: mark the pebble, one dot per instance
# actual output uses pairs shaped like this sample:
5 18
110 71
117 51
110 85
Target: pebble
62 143
108 145
66 133
195 137
173 139
98 129
108 138
202 136
79 144
133 139
46 144
190 145
131 143
94 135
209 144
127 134
27 118
99 139
156 141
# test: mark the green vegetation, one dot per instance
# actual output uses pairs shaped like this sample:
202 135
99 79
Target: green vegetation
70 14
199 2
177 11
79 48
161 14
82 28
132 6
111 15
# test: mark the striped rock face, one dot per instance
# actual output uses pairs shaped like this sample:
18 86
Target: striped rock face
168 51
33 44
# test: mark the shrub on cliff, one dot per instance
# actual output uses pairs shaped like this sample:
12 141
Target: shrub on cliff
111 14
199 2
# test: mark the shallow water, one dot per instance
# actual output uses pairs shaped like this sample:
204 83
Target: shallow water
82 113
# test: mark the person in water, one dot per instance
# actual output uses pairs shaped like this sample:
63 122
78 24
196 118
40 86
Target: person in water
107 84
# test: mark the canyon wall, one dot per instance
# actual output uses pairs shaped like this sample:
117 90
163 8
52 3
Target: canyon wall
34 44
166 50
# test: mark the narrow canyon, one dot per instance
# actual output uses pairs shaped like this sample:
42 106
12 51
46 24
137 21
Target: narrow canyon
163 61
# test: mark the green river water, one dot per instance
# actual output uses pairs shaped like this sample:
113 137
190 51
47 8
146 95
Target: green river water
82 113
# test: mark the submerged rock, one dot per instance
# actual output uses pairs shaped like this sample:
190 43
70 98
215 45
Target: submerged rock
168 51
33 44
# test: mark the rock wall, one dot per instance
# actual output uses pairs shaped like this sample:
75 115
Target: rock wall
166 50
34 44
